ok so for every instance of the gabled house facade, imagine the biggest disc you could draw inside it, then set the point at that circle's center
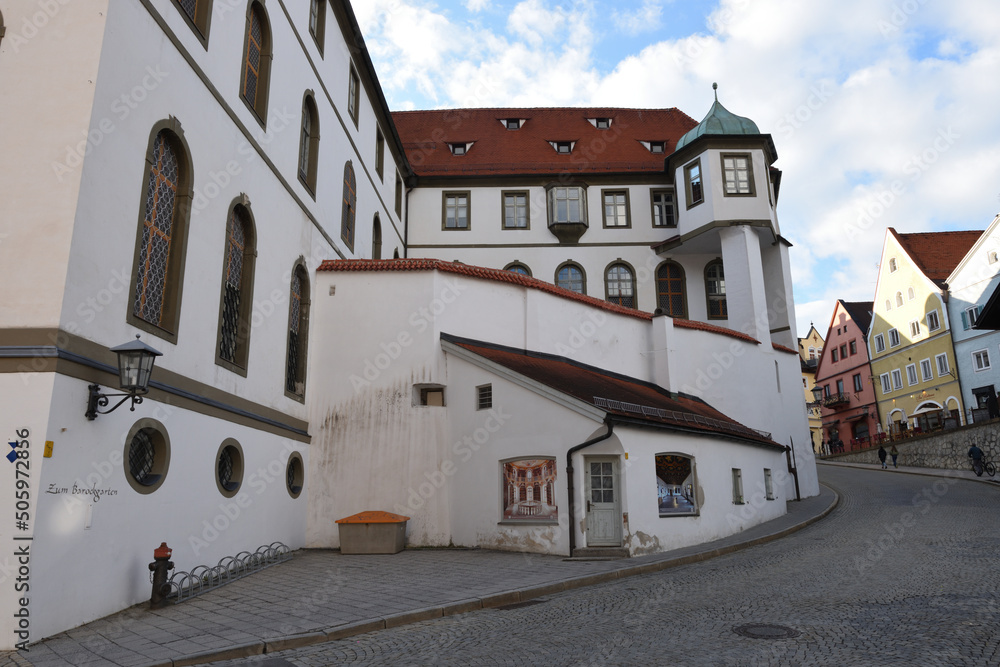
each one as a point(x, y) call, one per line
point(849, 408)
point(910, 342)
point(810, 350)
point(977, 351)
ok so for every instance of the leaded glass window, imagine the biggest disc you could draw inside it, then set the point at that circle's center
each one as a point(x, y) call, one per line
point(621, 286)
point(233, 285)
point(670, 289)
point(349, 209)
point(715, 288)
point(157, 231)
point(570, 277)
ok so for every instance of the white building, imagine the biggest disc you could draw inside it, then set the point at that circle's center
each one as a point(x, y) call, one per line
point(977, 352)
point(203, 159)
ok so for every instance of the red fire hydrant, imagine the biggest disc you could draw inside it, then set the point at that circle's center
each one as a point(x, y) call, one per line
point(159, 567)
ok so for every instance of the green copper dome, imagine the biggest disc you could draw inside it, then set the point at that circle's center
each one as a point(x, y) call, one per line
point(719, 121)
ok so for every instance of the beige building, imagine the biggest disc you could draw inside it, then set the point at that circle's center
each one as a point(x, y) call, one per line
point(810, 350)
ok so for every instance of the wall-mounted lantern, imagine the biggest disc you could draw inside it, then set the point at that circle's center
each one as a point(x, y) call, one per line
point(135, 365)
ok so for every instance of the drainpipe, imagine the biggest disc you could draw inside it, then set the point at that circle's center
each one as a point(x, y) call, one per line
point(792, 468)
point(569, 479)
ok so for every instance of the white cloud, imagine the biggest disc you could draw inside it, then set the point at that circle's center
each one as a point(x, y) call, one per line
point(476, 5)
point(645, 18)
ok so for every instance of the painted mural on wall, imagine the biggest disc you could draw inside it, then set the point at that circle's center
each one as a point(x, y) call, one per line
point(529, 490)
point(675, 485)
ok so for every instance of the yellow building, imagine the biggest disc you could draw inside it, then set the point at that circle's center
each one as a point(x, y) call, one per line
point(810, 350)
point(909, 341)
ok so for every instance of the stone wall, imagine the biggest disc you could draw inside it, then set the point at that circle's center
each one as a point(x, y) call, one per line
point(946, 449)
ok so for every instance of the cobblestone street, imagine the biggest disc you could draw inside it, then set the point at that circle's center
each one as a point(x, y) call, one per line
point(904, 572)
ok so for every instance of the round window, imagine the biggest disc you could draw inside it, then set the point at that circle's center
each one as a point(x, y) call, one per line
point(229, 468)
point(294, 475)
point(146, 456)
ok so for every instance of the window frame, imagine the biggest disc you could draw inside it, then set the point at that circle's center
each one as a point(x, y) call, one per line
point(914, 328)
point(309, 153)
point(853, 347)
point(683, 289)
point(200, 23)
point(670, 205)
point(445, 195)
point(398, 203)
point(258, 107)
point(301, 366)
point(937, 321)
point(929, 375)
point(518, 265)
point(691, 202)
point(318, 31)
point(173, 281)
point(354, 95)
point(975, 360)
point(160, 441)
point(938, 358)
point(833, 355)
point(911, 375)
point(768, 485)
point(878, 341)
point(503, 209)
point(552, 203)
point(604, 208)
point(241, 357)
point(886, 384)
point(893, 265)
point(891, 336)
point(751, 190)
point(709, 296)
point(349, 206)
point(379, 153)
point(583, 276)
point(376, 237)
point(632, 280)
point(970, 315)
point(237, 459)
point(481, 394)
point(859, 383)
point(899, 299)
point(738, 486)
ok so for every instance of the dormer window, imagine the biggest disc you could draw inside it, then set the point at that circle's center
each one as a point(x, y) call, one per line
point(512, 123)
point(602, 123)
point(459, 149)
point(657, 147)
point(564, 147)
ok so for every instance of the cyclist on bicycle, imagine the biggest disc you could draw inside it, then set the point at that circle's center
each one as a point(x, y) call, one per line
point(976, 454)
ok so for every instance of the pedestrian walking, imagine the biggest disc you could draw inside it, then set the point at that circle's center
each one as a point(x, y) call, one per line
point(881, 455)
point(893, 452)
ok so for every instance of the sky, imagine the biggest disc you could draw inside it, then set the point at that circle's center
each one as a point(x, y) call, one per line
point(884, 113)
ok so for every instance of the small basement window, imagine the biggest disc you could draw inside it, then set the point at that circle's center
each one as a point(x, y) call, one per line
point(484, 397)
point(431, 395)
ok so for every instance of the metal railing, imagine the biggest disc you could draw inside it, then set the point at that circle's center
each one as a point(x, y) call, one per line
point(203, 578)
point(674, 415)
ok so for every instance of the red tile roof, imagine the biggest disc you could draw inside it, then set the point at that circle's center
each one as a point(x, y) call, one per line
point(782, 348)
point(427, 136)
point(616, 394)
point(499, 275)
point(937, 253)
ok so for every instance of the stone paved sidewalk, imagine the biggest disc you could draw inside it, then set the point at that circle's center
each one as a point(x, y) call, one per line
point(323, 595)
point(914, 470)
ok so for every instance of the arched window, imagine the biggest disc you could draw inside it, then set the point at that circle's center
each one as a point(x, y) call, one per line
point(715, 291)
point(910, 294)
point(256, 61)
point(899, 298)
point(309, 144)
point(237, 288)
point(670, 289)
point(619, 285)
point(888, 304)
point(518, 267)
point(570, 276)
point(298, 333)
point(199, 15)
point(376, 238)
point(161, 238)
point(349, 210)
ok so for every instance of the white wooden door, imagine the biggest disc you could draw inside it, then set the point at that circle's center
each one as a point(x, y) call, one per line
point(604, 515)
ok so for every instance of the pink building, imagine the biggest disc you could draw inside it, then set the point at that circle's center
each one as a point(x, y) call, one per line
point(848, 406)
